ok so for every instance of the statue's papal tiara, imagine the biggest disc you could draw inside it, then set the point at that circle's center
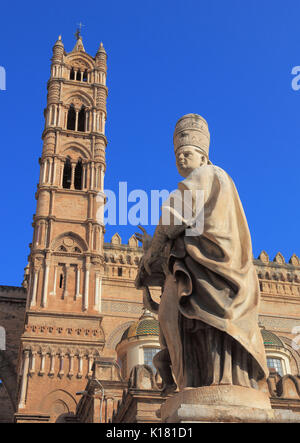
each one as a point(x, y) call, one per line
point(192, 130)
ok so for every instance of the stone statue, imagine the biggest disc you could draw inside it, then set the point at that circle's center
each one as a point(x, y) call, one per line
point(208, 313)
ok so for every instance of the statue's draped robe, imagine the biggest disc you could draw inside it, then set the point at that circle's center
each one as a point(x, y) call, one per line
point(209, 308)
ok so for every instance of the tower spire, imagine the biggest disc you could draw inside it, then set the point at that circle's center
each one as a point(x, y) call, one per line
point(79, 45)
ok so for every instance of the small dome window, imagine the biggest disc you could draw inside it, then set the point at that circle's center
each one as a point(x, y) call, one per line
point(149, 353)
point(275, 363)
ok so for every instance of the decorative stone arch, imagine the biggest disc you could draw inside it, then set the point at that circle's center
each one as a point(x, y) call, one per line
point(116, 335)
point(69, 241)
point(113, 258)
point(79, 98)
point(129, 259)
point(58, 402)
point(75, 151)
point(288, 387)
point(294, 354)
point(80, 61)
point(8, 377)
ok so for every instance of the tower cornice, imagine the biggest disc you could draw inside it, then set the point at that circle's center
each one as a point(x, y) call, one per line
point(75, 134)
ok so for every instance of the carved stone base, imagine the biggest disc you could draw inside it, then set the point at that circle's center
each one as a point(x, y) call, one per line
point(221, 404)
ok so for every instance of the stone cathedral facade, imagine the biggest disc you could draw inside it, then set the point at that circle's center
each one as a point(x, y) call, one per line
point(77, 324)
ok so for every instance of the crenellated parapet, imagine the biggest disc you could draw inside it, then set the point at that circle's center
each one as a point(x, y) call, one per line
point(122, 260)
point(278, 277)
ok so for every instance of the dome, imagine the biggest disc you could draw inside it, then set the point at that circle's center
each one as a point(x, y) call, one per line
point(271, 339)
point(101, 49)
point(146, 325)
point(59, 42)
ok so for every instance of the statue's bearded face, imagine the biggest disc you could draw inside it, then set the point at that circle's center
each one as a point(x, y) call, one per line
point(187, 159)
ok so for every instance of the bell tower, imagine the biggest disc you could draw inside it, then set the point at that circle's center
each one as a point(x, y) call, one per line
point(63, 333)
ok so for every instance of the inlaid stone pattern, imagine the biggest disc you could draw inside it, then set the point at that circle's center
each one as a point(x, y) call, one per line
point(126, 307)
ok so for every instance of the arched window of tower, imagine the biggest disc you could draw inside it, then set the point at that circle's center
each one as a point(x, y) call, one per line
point(61, 280)
point(78, 175)
point(71, 118)
point(67, 175)
point(78, 75)
point(81, 119)
point(72, 74)
point(85, 76)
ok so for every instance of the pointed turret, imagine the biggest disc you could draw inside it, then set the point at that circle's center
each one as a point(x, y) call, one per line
point(79, 45)
point(59, 42)
point(101, 49)
point(58, 51)
point(101, 58)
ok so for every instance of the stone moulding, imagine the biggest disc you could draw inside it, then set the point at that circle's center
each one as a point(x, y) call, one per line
point(223, 403)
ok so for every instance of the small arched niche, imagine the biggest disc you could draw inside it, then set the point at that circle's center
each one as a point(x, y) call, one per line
point(78, 175)
point(67, 174)
point(71, 122)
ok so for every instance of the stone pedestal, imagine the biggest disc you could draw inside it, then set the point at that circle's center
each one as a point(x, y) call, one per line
point(223, 404)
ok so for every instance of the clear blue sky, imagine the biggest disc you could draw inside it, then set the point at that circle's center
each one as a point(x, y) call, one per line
point(228, 61)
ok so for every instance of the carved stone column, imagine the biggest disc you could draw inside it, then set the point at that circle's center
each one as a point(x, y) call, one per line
point(71, 367)
point(34, 286)
point(78, 274)
point(86, 284)
point(98, 289)
point(67, 269)
point(52, 363)
point(73, 165)
point(61, 364)
point(32, 363)
point(54, 281)
point(42, 367)
point(45, 287)
point(24, 380)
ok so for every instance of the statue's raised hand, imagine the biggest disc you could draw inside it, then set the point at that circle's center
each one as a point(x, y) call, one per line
point(144, 238)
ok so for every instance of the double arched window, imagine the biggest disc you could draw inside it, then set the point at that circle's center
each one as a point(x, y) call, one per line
point(72, 175)
point(76, 120)
point(79, 75)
